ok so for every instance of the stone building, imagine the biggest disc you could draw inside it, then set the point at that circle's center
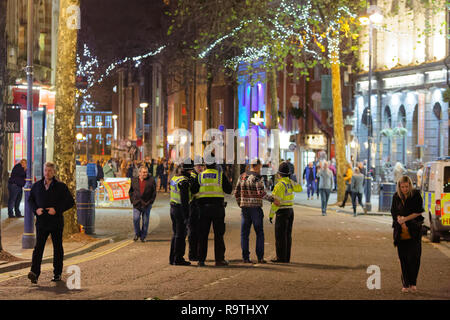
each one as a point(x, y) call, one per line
point(408, 114)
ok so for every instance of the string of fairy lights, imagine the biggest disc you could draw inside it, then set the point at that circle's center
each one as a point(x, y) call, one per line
point(299, 29)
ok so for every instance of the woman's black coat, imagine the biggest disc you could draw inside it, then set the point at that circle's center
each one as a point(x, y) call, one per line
point(413, 204)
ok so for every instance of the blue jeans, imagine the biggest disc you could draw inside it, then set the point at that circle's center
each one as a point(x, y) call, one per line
point(324, 196)
point(145, 214)
point(15, 196)
point(311, 187)
point(255, 216)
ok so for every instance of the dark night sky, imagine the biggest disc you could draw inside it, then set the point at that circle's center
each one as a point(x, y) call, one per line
point(116, 29)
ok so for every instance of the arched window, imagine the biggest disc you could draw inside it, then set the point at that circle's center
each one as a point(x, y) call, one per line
point(401, 123)
point(437, 111)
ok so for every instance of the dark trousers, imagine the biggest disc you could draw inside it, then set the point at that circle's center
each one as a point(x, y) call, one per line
point(409, 252)
point(92, 183)
point(193, 232)
point(253, 216)
point(15, 196)
point(356, 196)
point(178, 243)
point(215, 215)
point(42, 234)
point(163, 183)
point(283, 234)
point(347, 193)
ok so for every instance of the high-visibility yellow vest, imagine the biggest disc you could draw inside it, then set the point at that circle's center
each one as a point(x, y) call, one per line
point(175, 195)
point(284, 192)
point(210, 182)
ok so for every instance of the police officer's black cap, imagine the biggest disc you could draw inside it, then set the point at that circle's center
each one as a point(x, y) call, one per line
point(283, 169)
point(188, 165)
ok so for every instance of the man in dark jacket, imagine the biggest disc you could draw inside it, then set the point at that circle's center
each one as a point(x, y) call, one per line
point(142, 195)
point(48, 200)
point(15, 185)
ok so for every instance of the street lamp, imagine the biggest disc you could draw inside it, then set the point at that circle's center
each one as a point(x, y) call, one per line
point(79, 137)
point(99, 124)
point(375, 17)
point(143, 105)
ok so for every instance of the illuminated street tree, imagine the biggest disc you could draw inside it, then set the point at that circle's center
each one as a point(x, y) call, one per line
point(282, 33)
point(65, 131)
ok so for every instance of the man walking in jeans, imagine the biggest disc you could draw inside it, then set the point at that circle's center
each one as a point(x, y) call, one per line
point(249, 194)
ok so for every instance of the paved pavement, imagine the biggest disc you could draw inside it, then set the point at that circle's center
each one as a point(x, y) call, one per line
point(315, 202)
point(12, 230)
point(330, 259)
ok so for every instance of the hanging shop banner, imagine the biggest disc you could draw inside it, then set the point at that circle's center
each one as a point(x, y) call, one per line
point(326, 96)
point(117, 188)
point(421, 120)
point(12, 120)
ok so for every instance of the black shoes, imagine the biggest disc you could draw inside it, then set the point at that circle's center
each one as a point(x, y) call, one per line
point(182, 263)
point(136, 237)
point(201, 263)
point(222, 263)
point(56, 278)
point(19, 216)
point(33, 277)
point(247, 261)
point(262, 261)
point(278, 261)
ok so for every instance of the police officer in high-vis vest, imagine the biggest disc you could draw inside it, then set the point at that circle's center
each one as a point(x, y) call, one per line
point(284, 192)
point(209, 189)
point(193, 226)
point(180, 198)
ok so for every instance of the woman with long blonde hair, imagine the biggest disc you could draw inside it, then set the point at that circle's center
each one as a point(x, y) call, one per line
point(406, 211)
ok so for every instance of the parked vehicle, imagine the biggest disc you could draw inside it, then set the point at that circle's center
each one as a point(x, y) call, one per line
point(436, 198)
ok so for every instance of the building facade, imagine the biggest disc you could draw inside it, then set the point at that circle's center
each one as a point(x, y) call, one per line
point(409, 116)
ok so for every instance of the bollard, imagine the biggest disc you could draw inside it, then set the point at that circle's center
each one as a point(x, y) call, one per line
point(86, 210)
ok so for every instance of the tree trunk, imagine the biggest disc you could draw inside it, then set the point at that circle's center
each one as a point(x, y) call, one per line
point(209, 77)
point(65, 109)
point(338, 123)
point(3, 91)
point(236, 167)
point(166, 113)
point(273, 98)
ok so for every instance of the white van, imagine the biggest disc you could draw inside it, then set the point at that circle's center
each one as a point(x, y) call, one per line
point(436, 198)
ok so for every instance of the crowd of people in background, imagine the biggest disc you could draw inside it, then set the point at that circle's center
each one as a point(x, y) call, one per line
point(161, 170)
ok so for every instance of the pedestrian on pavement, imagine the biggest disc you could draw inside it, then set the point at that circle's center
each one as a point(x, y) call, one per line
point(406, 210)
point(348, 183)
point(309, 174)
point(16, 182)
point(249, 193)
point(142, 195)
point(194, 218)
point(180, 199)
point(48, 200)
point(108, 170)
point(165, 175)
point(292, 170)
point(332, 167)
point(357, 188)
point(210, 188)
point(91, 171)
point(284, 193)
point(419, 177)
point(318, 168)
point(325, 176)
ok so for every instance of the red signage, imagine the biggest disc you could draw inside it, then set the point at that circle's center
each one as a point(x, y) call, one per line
point(20, 98)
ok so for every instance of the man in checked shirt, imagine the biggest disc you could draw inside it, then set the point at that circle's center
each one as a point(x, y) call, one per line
point(249, 193)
